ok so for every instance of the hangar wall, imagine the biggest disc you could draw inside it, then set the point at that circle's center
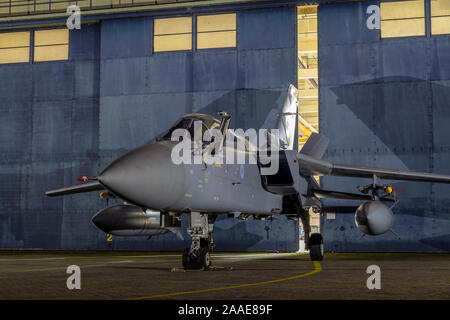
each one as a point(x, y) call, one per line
point(385, 103)
point(62, 120)
point(49, 136)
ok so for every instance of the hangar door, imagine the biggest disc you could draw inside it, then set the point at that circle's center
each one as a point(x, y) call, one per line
point(308, 87)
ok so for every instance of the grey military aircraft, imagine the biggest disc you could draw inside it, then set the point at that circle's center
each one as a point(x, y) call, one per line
point(156, 191)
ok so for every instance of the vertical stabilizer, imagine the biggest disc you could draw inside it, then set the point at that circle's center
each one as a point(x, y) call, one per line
point(287, 118)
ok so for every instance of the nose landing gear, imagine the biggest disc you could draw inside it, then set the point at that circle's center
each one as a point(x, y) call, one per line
point(195, 260)
point(197, 256)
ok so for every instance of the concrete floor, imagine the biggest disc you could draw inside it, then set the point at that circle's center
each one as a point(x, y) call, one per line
point(143, 275)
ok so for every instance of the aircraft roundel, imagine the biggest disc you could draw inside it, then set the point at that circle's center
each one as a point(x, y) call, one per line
point(242, 171)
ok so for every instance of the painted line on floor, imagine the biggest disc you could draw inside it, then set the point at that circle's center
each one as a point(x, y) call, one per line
point(105, 264)
point(218, 255)
point(124, 256)
point(251, 255)
point(317, 269)
point(30, 259)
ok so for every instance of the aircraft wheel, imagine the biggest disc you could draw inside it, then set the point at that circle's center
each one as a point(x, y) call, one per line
point(205, 258)
point(186, 258)
point(316, 247)
point(195, 261)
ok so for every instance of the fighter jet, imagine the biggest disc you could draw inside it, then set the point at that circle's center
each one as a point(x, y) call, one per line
point(156, 190)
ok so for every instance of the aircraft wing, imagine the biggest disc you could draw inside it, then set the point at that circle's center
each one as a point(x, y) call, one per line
point(311, 166)
point(87, 187)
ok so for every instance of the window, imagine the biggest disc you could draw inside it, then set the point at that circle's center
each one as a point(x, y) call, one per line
point(18, 7)
point(402, 18)
point(216, 31)
point(14, 47)
point(440, 16)
point(51, 45)
point(172, 34)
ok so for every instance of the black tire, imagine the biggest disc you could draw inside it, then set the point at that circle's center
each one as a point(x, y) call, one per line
point(205, 258)
point(316, 247)
point(193, 262)
point(186, 259)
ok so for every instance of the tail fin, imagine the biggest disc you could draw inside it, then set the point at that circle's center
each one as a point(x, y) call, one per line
point(287, 118)
point(315, 146)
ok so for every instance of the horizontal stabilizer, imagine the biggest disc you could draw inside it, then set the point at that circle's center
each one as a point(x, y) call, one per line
point(315, 146)
point(87, 187)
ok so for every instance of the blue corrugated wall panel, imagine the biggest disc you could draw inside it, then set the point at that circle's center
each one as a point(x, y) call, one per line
point(125, 38)
point(62, 120)
point(49, 136)
point(267, 29)
point(384, 103)
point(345, 24)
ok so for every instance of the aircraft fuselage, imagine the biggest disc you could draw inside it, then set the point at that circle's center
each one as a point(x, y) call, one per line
point(147, 177)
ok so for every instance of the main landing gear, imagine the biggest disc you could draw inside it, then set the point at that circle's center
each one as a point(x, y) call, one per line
point(314, 241)
point(197, 256)
point(316, 247)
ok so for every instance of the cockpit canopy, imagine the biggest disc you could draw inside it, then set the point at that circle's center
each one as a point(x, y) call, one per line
point(208, 122)
point(187, 122)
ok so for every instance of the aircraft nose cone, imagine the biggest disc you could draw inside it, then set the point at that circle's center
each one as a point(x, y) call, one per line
point(146, 176)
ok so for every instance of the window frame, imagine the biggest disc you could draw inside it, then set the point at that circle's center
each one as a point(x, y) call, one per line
point(425, 35)
point(32, 58)
point(172, 51)
point(431, 21)
point(233, 48)
point(30, 44)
